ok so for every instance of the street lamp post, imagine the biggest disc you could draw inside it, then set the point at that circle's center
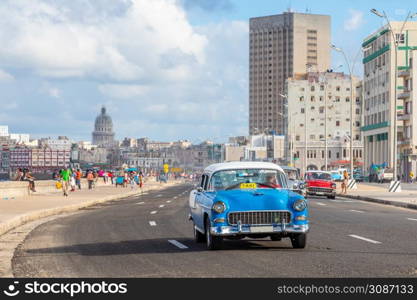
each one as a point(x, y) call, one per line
point(396, 42)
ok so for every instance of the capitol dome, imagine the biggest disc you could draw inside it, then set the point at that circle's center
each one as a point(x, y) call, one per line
point(103, 134)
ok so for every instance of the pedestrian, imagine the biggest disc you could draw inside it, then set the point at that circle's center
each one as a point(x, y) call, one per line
point(19, 175)
point(111, 176)
point(73, 182)
point(90, 179)
point(31, 180)
point(132, 180)
point(65, 177)
point(345, 182)
point(78, 175)
point(411, 176)
point(140, 180)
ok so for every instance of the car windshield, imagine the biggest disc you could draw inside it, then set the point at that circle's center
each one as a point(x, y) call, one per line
point(291, 174)
point(247, 179)
point(322, 176)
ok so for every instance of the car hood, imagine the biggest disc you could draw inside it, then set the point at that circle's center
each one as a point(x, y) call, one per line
point(319, 183)
point(260, 199)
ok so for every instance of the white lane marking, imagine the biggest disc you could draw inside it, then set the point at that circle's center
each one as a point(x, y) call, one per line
point(358, 211)
point(162, 205)
point(322, 204)
point(140, 203)
point(153, 212)
point(178, 244)
point(175, 197)
point(152, 223)
point(168, 201)
point(160, 195)
point(411, 219)
point(364, 239)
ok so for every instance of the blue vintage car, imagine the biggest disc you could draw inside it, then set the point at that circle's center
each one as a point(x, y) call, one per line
point(235, 200)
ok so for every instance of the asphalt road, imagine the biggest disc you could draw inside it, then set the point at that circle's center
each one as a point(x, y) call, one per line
point(150, 236)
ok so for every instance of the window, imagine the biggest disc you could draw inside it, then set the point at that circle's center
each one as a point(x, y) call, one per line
point(301, 125)
point(399, 38)
point(312, 137)
point(344, 153)
point(312, 99)
point(337, 123)
point(321, 136)
point(297, 137)
point(358, 111)
point(302, 110)
point(347, 99)
point(337, 155)
point(321, 87)
point(338, 88)
point(312, 88)
point(321, 109)
point(337, 99)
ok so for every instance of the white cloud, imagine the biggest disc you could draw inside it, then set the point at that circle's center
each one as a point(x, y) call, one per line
point(83, 39)
point(4, 76)
point(122, 91)
point(355, 21)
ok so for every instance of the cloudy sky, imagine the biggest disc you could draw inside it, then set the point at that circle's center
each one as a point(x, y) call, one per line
point(165, 69)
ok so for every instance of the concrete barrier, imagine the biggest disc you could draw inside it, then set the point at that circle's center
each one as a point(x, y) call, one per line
point(39, 214)
point(14, 189)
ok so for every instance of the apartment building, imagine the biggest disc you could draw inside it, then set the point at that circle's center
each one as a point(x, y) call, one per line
point(319, 111)
point(380, 107)
point(279, 47)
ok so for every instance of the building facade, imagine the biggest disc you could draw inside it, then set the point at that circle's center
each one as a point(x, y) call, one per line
point(319, 111)
point(379, 90)
point(280, 46)
point(103, 134)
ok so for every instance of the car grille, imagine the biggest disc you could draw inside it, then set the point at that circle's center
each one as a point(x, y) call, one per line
point(259, 217)
point(318, 190)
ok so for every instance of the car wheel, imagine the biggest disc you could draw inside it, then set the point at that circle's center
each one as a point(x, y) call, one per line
point(198, 236)
point(275, 237)
point(212, 242)
point(299, 241)
point(331, 197)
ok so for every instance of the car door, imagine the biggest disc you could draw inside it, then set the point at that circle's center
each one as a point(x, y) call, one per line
point(198, 215)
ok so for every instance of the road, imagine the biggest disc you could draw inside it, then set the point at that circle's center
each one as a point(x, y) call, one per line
point(150, 236)
point(404, 185)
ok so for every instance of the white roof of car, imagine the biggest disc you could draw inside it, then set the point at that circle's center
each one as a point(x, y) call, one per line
point(242, 165)
point(317, 171)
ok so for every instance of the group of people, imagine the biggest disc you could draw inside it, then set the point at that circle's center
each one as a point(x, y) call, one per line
point(131, 178)
point(25, 175)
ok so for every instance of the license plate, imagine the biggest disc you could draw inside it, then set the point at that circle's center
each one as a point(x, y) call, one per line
point(248, 185)
point(319, 193)
point(261, 229)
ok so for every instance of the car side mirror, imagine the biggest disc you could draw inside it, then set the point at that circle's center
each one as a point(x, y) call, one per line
point(295, 186)
point(199, 189)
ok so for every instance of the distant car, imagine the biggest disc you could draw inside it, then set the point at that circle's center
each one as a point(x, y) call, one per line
point(358, 176)
point(295, 182)
point(320, 183)
point(387, 175)
point(336, 175)
point(235, 200)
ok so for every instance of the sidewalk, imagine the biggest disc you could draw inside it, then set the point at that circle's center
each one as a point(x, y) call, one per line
point(380, 194)
point(20, 210)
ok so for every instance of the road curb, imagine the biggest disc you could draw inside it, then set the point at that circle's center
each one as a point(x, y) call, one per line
point(39, 214)
point(380, 201)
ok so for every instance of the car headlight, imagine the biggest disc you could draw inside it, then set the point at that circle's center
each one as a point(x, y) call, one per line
point(219, 207)
point(300, 205)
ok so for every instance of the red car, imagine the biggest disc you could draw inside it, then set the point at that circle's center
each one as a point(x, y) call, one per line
point(320, 183)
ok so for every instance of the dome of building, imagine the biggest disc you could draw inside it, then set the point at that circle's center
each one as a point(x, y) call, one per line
point(103, 134)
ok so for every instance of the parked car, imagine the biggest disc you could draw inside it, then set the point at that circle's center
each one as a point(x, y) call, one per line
point(295, 182)
point(336, 175)
point(387, 175)
point(320, 183)
point(358, 176)
point(235, 200)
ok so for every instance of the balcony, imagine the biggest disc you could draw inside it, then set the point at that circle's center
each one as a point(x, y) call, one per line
point(404, 73)
point(403, 95)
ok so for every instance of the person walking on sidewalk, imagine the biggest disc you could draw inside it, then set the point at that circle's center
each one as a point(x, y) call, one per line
point(65, 177)
point(78, 175)
point(90, 180)
point(345, 182)
point(411, 176)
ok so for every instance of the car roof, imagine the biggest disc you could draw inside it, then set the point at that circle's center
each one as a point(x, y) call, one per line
point(241, 165)
point(317, 171)
point(288, 168)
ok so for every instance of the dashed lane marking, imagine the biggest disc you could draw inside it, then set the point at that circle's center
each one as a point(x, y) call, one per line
point(343, 201)
point(178, 244)
point(168, 201)
point(358, 211)
point(411, 219)
point(322, 204)
point(152, 223)
point(162, 205)
point(364, 239)
point(153, 212)
point(160, 195)
point(140, 203)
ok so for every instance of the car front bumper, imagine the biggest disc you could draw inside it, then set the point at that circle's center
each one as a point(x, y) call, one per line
point(246, 229)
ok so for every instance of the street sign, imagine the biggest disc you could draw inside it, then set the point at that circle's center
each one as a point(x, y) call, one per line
point(176, 170)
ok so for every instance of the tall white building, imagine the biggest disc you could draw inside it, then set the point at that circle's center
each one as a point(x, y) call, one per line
point(379, 103)
point(319, 110)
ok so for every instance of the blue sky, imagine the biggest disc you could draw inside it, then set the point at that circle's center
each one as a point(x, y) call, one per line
point(165, 69)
